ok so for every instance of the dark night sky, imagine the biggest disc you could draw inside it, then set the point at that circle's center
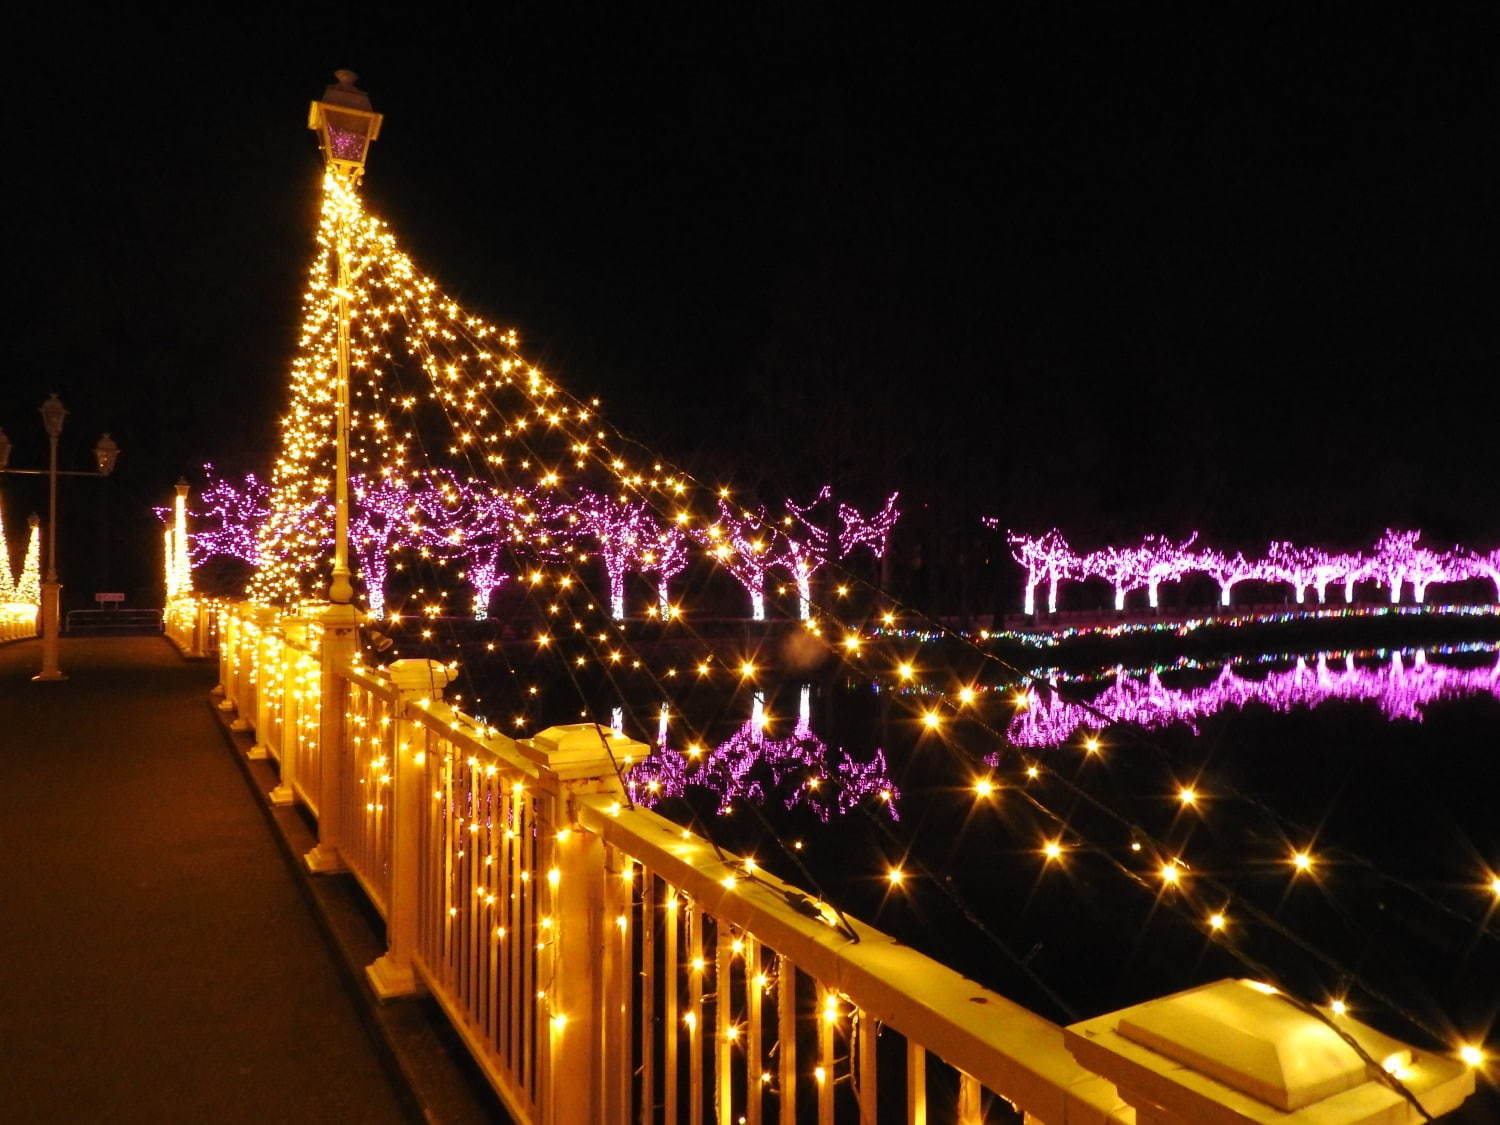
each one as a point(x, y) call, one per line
point(1067, 268)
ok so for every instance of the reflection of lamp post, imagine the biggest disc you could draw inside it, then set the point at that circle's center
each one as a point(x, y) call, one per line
point(345, 125)
point(106, 452)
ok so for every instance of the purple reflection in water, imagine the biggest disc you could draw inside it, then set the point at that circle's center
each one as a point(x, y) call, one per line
point(1400, 689)
point(749, 765)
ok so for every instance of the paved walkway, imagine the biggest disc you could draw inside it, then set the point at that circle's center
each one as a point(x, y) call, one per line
point(157, 960)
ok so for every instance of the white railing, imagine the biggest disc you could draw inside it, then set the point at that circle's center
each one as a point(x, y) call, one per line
point(191, 623)
point(600, 962)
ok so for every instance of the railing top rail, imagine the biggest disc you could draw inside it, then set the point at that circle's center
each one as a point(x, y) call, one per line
point(1005, 1046)
point(472, 739)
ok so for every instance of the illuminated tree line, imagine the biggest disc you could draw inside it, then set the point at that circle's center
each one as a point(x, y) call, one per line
point(437, 515)
point(1395, 561)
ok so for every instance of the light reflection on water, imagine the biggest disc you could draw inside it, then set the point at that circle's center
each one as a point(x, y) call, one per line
point(800, 770)
point(1401, 688)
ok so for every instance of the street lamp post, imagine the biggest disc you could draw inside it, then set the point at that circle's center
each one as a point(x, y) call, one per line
point(345, 125)
point(106, 452)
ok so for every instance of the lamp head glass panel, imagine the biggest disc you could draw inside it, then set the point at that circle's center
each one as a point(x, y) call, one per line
point(53, 412)
point(345, 124)
point(106, 452)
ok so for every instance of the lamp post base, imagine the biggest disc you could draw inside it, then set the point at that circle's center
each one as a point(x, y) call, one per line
point(51, 601)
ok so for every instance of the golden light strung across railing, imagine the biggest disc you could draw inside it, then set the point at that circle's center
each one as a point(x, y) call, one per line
point(603, 964)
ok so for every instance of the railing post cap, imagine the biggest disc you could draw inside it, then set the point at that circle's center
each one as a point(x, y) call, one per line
point(420, 677)
point(1238, 1051)
point(582, 750)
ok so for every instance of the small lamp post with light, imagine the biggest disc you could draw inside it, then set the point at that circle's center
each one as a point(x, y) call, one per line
point(106, 452)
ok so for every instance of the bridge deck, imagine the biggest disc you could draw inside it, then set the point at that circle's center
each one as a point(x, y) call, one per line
point(157, 961)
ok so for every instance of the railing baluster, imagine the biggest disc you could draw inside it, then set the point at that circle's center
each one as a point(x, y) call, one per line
point(696, 968)
point(533, 1058)
point(617, 992)
point(970, 1111)
point(723, 1021)
point(916, 1083)
point(754, 1087)
point(825, 1017)
point(671, 1031)
point(648, 997)
point(786, 1024)
point(865, 1033)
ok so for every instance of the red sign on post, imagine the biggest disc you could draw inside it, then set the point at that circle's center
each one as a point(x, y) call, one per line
point(109, 597)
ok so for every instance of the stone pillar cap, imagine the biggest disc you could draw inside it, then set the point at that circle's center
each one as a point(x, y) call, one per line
point(421, 677)
point(578, 750)
point(1238, 1051)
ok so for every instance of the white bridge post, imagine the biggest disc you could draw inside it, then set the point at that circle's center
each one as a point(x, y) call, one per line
point(392, 975)
point(585, 1040)
point(340, 642)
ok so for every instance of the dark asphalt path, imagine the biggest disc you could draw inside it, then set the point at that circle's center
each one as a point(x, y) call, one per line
point(157, 961)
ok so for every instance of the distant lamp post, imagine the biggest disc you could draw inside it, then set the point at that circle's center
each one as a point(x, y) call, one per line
point(345, 125)
point(106, 453)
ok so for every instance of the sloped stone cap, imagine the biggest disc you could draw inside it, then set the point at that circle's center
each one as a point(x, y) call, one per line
point(1253, 1041)
point(577, 750)
point(1237, 1051)
point(421, 677)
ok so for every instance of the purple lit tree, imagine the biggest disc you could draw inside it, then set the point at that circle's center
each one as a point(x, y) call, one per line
point(874, 532)
point(1294, 565)
point(805, 547)
point(1357, 568)
point(665, 554)
point(1226, 570)
point(1394, 559)
point(620, 530)
point(1330, 568)
point(1121, 567)
point(1472, 564)
point(1428, 566)
point(743, 548)
point(1046, 557)
point(491, 524)
point(230, 519)
point(1162, 560)
point(382, 518)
